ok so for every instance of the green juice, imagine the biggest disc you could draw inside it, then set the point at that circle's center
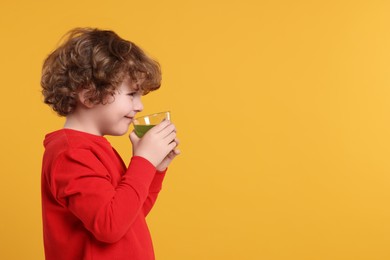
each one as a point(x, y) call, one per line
point(140, 130)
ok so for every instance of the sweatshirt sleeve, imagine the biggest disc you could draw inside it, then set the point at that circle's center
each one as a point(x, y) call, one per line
point(83, 185)
point(154, 190)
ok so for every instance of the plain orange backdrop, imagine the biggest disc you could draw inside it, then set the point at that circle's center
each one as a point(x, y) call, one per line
point(282, 109)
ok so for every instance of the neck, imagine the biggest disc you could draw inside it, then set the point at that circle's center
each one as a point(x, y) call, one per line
point(79, 121)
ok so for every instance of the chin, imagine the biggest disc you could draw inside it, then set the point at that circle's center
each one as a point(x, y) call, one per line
point(118, 132)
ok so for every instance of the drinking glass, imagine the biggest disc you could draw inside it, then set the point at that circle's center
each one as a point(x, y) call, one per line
point(145, 123)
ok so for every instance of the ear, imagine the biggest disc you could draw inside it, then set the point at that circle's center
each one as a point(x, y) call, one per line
point(82, 96)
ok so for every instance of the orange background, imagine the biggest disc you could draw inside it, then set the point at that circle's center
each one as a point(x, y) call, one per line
point(282, 109)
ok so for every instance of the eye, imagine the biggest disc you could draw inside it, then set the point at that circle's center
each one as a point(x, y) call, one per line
point(132, 94)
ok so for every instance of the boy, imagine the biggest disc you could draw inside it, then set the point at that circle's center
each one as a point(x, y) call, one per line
point(94, 207)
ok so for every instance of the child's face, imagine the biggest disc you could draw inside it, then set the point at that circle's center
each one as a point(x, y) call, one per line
point(115, 117)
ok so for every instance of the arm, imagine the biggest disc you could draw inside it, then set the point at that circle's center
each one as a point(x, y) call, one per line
point(142, 148)
point(83, 185)
point(154, 190)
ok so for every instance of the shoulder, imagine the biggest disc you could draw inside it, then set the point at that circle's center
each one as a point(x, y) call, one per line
point(73, 146)
point(72, 139)
point(68, 155)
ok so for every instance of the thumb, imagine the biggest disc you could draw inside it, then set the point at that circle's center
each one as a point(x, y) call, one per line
point(134, 138)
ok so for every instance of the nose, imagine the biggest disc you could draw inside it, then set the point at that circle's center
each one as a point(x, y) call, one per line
point(137, 103)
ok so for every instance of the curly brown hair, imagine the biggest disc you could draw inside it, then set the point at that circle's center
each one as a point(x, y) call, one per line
point(96, 60)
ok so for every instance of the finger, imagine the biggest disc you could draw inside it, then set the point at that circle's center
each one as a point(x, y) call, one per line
point(133, 137)
point(167, 131)
point(171, 137)
point(177, 141)
point(172, 155)
point(162, 125)
point(171, 146)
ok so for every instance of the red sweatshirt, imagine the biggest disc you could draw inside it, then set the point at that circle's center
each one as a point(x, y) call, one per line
point(94, 207)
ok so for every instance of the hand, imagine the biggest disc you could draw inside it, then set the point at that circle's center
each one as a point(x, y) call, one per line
point(156, 144)
point(168, 159)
